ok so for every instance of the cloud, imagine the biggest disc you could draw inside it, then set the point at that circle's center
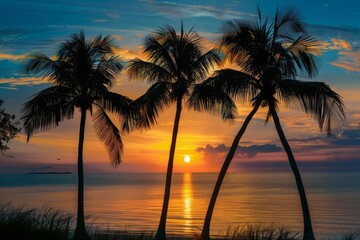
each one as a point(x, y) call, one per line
point(113, 14)
point(354, 119)
point(12, 83)
point(127, 53)
point(279, 166)
point(12, 57)
point(170, 9)
point(100, 20)
point(343, 39)
point(350, 34)
point(348, 139)
point(242, 151)
point(335, 44)
point(349, 60)
point(117, 37)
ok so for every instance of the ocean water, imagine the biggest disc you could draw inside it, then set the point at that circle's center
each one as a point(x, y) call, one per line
point(133, 201)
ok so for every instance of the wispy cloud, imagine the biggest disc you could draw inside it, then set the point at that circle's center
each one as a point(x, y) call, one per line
point(13, 83)
point(348, 56)
point(168, 8)
point(113, 14)
point(242, 151)
point(345, 40)
point(349, 60)
point(350, 34)
point(335, 44)
point(100, 20)
point(128, 53)
point(12, 57)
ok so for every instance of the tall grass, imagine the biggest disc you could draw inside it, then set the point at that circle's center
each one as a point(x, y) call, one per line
point(19, 223)
point(351, 236)
point(33, 224)
point(110, 234)
point(260, 232)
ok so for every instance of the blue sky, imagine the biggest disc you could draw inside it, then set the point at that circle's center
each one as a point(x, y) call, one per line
point(42, 25)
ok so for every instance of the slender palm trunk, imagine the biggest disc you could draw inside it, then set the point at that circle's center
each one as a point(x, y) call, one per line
point(161, 232)
point(308, 231)
point(205, 234)
point(80, 230)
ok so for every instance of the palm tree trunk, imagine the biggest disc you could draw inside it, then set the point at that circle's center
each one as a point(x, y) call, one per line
point(161, 232)
point(308, 230)
point(205, 234)
point(80, 230)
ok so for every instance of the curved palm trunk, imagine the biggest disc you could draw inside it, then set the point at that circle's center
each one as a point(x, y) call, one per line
point(161, 232)
point(205, 234)
point(80, 230)
point(308, 231)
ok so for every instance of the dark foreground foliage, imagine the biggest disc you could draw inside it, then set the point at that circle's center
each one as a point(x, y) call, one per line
point(123, 235)
point(33, 224)
point(259, 232)
point(47, 223)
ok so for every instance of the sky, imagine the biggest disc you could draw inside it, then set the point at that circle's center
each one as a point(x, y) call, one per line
point(42, 25)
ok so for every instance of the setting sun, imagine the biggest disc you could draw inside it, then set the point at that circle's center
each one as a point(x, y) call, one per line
point(187, 159)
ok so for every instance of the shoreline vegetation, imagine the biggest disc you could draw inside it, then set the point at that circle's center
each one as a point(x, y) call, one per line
point(19, 222)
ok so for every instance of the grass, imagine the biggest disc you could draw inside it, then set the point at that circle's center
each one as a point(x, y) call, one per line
point(47, 223)
point(109, 234)
point(33, 224)
point(260, 232)
point(351, 236)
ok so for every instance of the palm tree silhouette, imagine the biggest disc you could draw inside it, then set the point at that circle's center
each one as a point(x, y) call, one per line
point(81, 76)
point(176, 62)
point(269, 56)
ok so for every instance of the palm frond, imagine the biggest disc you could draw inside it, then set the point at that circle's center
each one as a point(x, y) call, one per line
point(287, 22)
point(158, 53)
point(46, 109)
point(148, 71)
point(144, 111)
point(237, 84)
point(107, 70)
point(209, 98)
point(109, 134)
point(72, 46)
point(200, 68)
point(302, 51)
point(103, 45)
point(237, 35)
point(53, 70)
point(316, 99)
point(186, 51)
point(114, 102)
point(165, 32)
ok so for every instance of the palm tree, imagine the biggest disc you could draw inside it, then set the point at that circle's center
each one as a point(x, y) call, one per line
point(175, 64)
point(81, 76)
point(269, 57)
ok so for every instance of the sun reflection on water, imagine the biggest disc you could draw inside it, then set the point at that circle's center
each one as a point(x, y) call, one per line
point(187, 196)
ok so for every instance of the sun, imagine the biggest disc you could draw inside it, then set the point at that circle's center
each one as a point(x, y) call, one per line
point(187, 159)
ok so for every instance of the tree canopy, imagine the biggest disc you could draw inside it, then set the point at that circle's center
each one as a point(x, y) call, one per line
point(8, 128)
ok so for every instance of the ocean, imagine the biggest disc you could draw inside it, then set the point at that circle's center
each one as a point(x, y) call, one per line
point(132, 201)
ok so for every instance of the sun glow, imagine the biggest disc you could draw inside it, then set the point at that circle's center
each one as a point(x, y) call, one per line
point(187, 159)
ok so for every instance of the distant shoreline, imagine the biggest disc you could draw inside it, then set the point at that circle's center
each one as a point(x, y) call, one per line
point(49, 173)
